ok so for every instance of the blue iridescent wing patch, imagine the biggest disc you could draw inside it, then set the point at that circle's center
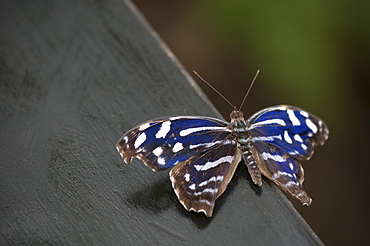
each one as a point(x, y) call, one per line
point(204, 152)
point(164, 142)
point(289, 128)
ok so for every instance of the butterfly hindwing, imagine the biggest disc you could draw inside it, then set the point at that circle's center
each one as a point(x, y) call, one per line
point(282, 169)
point(164, 142)
point(201, 179)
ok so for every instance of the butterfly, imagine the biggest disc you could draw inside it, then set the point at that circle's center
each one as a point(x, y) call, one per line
point(205, 152)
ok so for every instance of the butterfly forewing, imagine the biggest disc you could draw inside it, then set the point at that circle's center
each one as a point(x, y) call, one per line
point(289, 128)
point(164, 142)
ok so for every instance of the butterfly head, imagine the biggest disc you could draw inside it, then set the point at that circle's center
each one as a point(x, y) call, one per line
point(236, 115)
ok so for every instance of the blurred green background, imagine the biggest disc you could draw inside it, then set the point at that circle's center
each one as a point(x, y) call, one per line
point(312, 54)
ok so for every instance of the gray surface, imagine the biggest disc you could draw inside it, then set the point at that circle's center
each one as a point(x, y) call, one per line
point(75, 75)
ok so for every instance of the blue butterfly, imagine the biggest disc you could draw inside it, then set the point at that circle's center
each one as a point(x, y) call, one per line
point(205, 152)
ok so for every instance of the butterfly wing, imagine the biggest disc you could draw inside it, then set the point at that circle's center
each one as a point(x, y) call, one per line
point(281, 137)
point(282, 169)
point(164, 142)
point(202, 148)
point(201, 179)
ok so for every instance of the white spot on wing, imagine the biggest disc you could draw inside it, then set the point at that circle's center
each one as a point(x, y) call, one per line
point(144, 126)
point(298, 138)
point(161, 161)
point(291, 166)
point(210, 190)
point(192, 186)
point(295, 121)
point(287, 137)
point(266, 138)
point(189, 131)
point(187, 177)
point(304, 113)
point(125, 139)
point(140, 140)
point(269, 122)
point(176, 118)
point(280, 173)
point(165, 128)
point(267, 156)
point(311, 125)
point(307, 204)
point(158, 151)
point(304, 146)
point(213, 179)
point(206, 145)
point(207, 181)
point(177, 147)
point(215, 163)
point(210, 144)
point(290, 183)
point(207, 190)
point(227, 142)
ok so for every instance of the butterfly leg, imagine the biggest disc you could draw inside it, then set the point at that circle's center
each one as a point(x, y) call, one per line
point(251, 165)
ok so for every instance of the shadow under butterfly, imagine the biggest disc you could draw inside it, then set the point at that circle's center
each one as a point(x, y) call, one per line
point(156, 198)
point(205, 152)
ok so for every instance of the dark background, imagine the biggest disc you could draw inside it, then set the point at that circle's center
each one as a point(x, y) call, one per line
point(314, 55)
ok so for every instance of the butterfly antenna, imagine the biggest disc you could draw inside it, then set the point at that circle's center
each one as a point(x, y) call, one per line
point(197, 74)
point(250, 87)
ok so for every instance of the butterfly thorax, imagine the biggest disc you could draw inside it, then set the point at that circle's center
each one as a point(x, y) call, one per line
point(239, 127)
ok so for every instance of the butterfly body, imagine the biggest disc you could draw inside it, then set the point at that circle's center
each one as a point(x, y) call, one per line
point(205, 152)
